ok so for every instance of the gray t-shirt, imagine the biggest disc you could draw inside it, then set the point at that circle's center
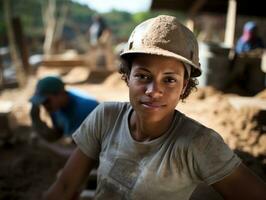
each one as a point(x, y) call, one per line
point(168, 167)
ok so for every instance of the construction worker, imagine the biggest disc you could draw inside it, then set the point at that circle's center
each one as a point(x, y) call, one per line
point(101, 52)
point(246, 61)
point(249, 39)
point(67, 108)
point(97, 29)
point(146, 148)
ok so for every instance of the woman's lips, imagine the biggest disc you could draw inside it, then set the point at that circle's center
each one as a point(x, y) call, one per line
point(153, 105)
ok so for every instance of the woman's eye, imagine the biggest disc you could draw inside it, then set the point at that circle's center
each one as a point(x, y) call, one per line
point(170, 80)
point(142, 77)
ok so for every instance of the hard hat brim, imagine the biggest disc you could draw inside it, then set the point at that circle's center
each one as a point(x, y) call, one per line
point(195, 70)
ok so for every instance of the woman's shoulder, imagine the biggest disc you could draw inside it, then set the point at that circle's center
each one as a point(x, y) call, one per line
point(113, 108)
point(113, 105)
point(196, 130)
point(200, 139)
point(188, 123)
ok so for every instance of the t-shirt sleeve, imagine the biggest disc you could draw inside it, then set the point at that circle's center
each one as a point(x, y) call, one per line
point(214, 159)
point(88, 136)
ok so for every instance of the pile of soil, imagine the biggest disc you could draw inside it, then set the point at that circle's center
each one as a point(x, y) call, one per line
point(26, 171)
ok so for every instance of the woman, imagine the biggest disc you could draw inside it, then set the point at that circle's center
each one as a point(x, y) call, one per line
point(146, 148)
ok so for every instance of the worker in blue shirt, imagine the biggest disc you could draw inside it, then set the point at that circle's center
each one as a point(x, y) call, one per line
point(249, 39)
point(67, 108)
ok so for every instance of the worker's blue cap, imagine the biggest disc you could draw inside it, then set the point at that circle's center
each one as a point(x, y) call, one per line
point(250, 26)
point(46, 86)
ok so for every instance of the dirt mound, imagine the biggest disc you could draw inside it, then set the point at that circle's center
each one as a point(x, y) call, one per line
point(114, 80)
point(246, 130)
point(26, 171)
point(204, 92)
point(261, 95)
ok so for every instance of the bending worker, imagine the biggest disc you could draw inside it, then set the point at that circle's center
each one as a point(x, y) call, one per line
point(67, 108)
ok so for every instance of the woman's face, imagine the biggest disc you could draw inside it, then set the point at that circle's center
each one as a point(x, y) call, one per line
point(155, 85)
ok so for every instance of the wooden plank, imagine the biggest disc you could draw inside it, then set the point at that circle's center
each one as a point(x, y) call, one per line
point(230, 23)
point(240, 102)
point(63, 63)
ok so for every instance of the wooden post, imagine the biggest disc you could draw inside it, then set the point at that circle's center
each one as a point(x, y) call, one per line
point(195, 7)
point(230, 23)
point(20, 41)
point(1, 73)
point(263, 63)
point(50, 24)
point(190, 24)
point(12, 44)
point(5, 111)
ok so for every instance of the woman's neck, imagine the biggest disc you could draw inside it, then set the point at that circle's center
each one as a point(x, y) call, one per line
point(144, 130)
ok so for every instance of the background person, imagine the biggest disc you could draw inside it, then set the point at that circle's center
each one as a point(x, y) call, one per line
point(97, 29)
point(246, 62)
point(147, 149)
point(67, 108)
point(101, 52)
point(249, 39)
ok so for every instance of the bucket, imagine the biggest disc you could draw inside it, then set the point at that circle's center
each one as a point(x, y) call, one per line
point(215, 65)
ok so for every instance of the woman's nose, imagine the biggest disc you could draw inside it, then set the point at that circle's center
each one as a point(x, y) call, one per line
point(154, 90)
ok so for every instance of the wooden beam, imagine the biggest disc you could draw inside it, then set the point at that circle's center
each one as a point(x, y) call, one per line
point(20, 41)
point(196, 6)
point(190, 24)
point(263, 63)
point(230, 23)
point(1, 73)
point(12, 44)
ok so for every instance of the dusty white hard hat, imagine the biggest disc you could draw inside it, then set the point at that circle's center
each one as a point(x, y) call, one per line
point(165, 35)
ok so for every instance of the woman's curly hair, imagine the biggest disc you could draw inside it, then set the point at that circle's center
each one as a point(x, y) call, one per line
point(125, 68)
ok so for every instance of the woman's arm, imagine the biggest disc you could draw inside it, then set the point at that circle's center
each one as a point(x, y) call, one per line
point(241, 184)
point(73, 175)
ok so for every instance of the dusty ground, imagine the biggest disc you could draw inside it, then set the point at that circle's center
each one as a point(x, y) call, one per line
point(27, 169)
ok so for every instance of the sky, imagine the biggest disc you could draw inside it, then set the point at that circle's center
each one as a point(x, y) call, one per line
point(131, 6)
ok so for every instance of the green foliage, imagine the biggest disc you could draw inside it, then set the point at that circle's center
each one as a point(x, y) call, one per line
point(120, 22)
point(141, 16)
point(31, 15)
point(80, 14)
